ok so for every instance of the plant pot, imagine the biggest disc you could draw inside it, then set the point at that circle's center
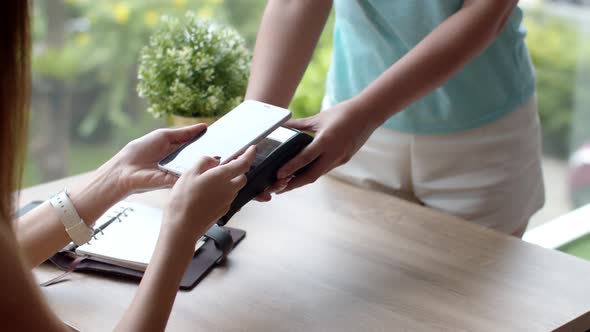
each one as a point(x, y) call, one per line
point(173, 120)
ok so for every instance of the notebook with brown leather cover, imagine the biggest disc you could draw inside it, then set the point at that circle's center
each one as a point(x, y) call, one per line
point(220, 241)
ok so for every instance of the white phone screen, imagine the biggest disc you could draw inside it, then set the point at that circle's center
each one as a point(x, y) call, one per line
point(245, 125)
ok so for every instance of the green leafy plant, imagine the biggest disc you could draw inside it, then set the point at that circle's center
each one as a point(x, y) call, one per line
point(558, 52)
point(95, 56)
point(193, 67)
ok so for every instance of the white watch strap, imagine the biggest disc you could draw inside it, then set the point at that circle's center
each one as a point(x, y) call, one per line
point(76, 228)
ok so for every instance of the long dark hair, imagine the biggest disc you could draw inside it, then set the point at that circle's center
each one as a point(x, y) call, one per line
point(15, 85)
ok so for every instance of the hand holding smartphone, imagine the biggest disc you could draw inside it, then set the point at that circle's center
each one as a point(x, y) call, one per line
point(272, 153)
point(229, 136)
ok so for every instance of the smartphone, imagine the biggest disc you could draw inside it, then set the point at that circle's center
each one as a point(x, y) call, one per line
point(272, 153)
point(229, 136)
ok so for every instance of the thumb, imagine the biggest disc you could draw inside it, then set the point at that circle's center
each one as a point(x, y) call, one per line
point(204, 164)
point(304, 124)
point(184, 134)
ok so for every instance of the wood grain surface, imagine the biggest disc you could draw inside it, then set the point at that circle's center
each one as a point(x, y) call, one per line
point(332, 257)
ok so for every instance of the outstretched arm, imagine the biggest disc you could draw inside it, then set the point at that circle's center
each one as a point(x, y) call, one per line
point(343, 129)
point(41, 234)
point(287, 36)
point(199, 198)
point(438, 57)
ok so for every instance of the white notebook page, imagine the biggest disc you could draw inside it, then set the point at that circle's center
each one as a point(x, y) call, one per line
point(129, 242)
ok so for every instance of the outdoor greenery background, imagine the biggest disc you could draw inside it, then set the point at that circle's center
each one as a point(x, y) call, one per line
point(85, 69)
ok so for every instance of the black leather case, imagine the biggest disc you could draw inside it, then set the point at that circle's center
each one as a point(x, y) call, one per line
point(264, 170)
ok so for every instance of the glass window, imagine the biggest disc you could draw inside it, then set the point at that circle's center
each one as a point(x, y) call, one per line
point(85, 105)
point(559, 42)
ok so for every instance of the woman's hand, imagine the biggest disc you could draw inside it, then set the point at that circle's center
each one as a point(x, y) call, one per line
point(204, 194)
point(136, 165)
point(340, 132)
point(199, 198)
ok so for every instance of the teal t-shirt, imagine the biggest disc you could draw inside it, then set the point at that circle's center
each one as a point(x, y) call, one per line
point(371, 35)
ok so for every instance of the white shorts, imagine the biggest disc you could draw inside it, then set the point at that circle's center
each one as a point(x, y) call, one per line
point(489, 175)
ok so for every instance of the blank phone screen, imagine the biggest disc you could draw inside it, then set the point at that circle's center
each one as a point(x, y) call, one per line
point(245, 125)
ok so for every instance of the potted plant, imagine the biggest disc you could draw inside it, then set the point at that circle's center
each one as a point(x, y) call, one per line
point(193, 70)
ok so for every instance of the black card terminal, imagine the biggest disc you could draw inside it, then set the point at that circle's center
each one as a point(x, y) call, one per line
point(272, 153)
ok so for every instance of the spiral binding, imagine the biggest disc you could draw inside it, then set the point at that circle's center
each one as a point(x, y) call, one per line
point(115, 215)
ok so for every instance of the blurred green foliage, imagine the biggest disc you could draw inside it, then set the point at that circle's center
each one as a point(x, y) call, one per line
point(308, 97)
point(99, 59)
point(101, 51)
point(103, 40)
point(558, 51)
point(96, 66)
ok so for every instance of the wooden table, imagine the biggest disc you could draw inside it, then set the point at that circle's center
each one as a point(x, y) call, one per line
point(332, 257)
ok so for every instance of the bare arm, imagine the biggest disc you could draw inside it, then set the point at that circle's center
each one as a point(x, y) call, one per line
point(22, 305)
point(199, 199)
point(288, 34)
point(41, 234)
point(439, 56)
point(35, 237)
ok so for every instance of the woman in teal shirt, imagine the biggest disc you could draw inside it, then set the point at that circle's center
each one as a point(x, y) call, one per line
point(429, 100)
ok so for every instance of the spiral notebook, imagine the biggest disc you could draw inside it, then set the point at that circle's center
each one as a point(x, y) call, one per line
point(126, 235)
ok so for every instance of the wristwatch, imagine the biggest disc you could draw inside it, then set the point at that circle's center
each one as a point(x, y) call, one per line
point(76, 228)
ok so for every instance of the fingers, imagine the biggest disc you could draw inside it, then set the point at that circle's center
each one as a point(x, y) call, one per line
point(276, 187)
point(264, 196)
point(305, 157)
point(319, 168)
point(239, 182)
point(240, 165)
point(183, 134)
point(204, 164)
point(305, 124)
point(279, 185)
